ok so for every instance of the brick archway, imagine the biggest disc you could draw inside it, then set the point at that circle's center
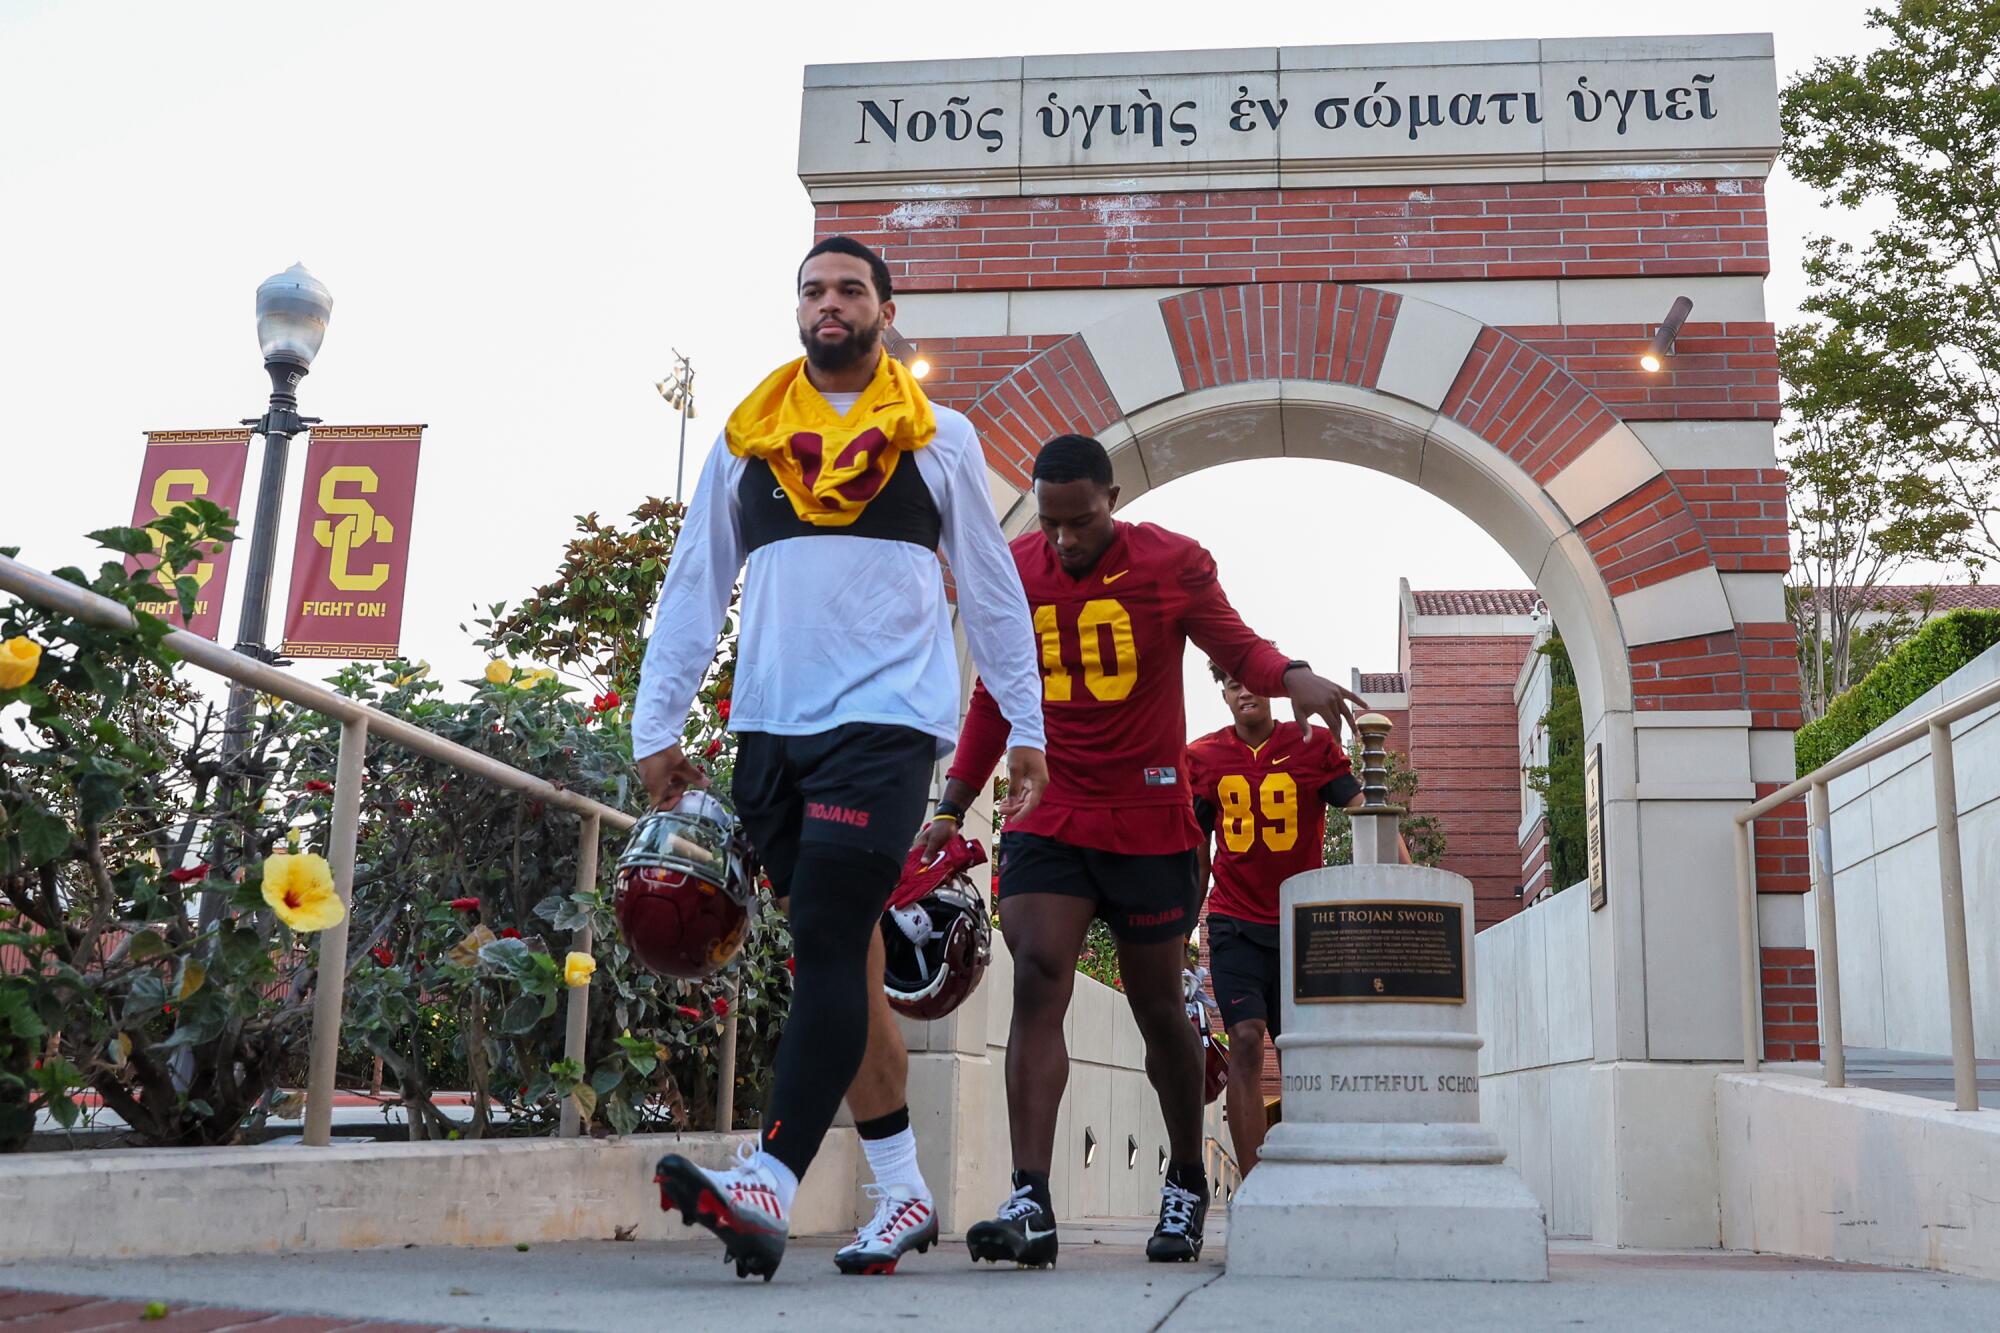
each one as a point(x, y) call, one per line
point(1633, 551)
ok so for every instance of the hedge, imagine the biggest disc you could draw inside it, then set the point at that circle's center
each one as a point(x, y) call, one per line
point(1938, 649)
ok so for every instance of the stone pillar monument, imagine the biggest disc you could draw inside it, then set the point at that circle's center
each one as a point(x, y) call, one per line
point(1380, 1168)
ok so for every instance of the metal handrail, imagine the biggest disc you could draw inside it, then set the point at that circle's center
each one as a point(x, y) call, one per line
point(1936, 724)
point(357, 720)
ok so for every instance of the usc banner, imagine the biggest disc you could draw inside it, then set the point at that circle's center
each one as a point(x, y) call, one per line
point(182, 465)
point(352, 552)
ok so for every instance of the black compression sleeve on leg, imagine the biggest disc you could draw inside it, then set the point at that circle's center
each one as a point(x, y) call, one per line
point(884, 1126)
point(837, 898)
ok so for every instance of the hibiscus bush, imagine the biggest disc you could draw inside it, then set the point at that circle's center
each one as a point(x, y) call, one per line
point(147, 882)
point(139, 975)
point(466, 920)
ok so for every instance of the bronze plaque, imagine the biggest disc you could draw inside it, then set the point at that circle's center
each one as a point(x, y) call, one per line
point(1382, 951)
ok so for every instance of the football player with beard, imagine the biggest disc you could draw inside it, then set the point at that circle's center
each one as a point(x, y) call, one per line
point(836, 483)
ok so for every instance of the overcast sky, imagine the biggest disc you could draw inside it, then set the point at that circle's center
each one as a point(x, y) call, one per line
point(520, 208)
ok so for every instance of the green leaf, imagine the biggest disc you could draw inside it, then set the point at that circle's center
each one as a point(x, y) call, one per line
point(522, 1015)
point(98, 796)
point(126, 541)
point(145, 998)
point(43, 836)
point(148, 944)
point(618, 1111)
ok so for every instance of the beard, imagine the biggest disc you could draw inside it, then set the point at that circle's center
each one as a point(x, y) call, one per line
point(839, 356)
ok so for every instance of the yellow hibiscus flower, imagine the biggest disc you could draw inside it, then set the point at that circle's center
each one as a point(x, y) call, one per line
point(417, 672)
point(529, 679)
point(299, 887)
point(20, 656)
point(577, 969)
point(499, 672)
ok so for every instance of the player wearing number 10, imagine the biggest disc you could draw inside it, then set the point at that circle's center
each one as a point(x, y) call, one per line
point(1114, 606)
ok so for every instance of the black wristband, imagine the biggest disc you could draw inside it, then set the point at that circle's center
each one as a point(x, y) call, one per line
point(948, 809)
point(1298, 664)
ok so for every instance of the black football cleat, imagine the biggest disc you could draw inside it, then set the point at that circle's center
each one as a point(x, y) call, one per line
point(1177, 1239)
point(1024, 1233)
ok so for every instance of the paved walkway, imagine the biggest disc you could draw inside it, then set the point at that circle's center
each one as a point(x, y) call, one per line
point(1919, 1074)
point(1102, 1284)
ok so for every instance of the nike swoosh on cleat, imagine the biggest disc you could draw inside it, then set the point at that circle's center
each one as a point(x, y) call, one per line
point(1034, 1235)
point(1113, 578)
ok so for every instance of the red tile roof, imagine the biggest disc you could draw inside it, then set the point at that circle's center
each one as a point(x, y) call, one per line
point(1475, 601)
point(1384, 682)
point(1945, 596)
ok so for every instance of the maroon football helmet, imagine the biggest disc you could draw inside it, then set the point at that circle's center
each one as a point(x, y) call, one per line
point(936, 936)
point(1214, 1046)
point(685, 886)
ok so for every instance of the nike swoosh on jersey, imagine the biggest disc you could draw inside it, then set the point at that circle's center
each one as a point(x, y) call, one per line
point(1281, 759)
point(1113, 578)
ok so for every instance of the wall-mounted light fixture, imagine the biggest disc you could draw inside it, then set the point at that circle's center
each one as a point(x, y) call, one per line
point(1163, 1161)
point(1089, 1145)
point(1131, 1152)
point(1661, 349)
point(906, 352)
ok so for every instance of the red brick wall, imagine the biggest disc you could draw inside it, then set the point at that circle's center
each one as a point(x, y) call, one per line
point(1706, 386)
point(1741, 514)
point(1344, 234)
point(1465, 745)
point(1536, 869)
point(1791, 1005)
point(964, 368)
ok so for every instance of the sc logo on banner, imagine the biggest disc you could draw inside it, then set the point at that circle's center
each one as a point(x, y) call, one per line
point(358, 524)
point(166, 502)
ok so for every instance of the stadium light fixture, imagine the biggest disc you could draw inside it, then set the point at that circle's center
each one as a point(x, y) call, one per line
point(678, 390)
point(1661, 349)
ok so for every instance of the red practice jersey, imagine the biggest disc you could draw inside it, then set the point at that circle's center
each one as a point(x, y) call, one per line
point(1269, 808)
point(1111, 644)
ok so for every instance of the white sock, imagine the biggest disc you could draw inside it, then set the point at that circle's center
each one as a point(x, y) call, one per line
point(786, 1183)
point(894, 1162)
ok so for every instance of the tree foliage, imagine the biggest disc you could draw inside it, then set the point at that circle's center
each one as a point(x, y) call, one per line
point(1906, 358)
point(1863, 505)
point(1423, 834)
point(1559, 782)
point(1932, 654)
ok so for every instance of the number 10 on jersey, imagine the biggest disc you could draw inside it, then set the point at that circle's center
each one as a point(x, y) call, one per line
point(1106, 651)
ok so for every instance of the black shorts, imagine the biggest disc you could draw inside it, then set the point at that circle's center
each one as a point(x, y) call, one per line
point(864, 786)
point(1243, 968)
point(1143, 899)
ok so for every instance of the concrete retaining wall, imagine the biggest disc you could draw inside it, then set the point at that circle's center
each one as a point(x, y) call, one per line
point(1532, 974)
point(1886, 881)
point(1858, 1175)
point(116, 1204)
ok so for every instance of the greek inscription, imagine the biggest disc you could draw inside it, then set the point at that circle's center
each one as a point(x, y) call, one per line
point(882, 122)
point(1370, 105)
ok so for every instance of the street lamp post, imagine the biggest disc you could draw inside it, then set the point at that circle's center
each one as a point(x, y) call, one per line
point(292, 310)
point(678, 389)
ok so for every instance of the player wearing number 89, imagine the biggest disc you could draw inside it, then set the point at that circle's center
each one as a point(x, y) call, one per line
point(1261, 789)
point(1114, 606)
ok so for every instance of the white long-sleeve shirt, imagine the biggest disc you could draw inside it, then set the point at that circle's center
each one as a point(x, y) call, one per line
point(837, 629)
